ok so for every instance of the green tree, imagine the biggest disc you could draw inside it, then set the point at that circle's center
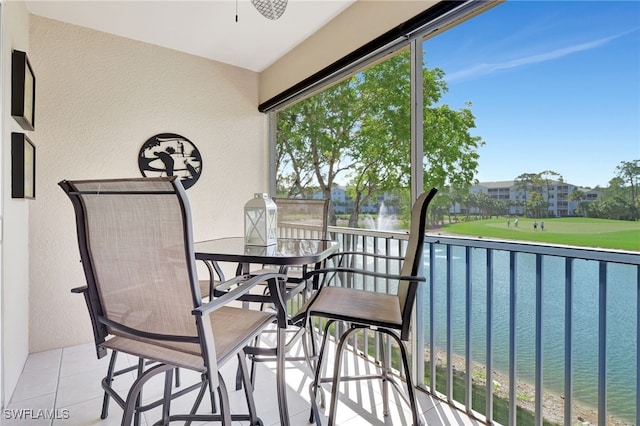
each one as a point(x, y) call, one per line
point(360, 129)
point(313, 137)
point(545, 179)
point(525, 182)
point(629, 172)
point(536, 205)
point(578, 195)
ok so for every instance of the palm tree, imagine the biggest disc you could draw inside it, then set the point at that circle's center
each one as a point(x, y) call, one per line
point(578, 195)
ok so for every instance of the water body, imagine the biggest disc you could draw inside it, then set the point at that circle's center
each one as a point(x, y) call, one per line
point(621, 322)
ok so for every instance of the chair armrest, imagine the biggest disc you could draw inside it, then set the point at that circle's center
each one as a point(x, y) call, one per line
point(99, 330)
point(243, 284)
point(340, 257)
point(327, 271)
point(364, 253)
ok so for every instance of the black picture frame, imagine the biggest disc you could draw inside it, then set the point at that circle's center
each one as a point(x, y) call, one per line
point(23, 90)
point(23, 167)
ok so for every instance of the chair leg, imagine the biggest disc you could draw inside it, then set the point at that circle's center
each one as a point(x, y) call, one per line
point(385, 371)
point(417, 419)
point(337, 367)
point(137, 414)
point(253, 372)
point(109, 380)
point(225, 410)
point(200, 397)
point(133, 396)
point(177, 377)
point(214, 405)
point(166, 401)
point(248, 389)
point(315, 384)
point(280, 378)
point(311, 357)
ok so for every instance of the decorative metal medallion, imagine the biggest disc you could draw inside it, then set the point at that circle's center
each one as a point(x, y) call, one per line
point(169, 154)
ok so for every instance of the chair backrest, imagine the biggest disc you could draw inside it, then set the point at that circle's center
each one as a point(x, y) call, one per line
point(302, 218)
point(413, 259)
point(136, 246)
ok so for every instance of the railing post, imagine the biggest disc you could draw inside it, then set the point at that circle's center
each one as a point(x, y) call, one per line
point(568, 342)
point(432, 317)
point(602, 346)
point(449, 327)
point(418, 331)
point(512, 340)
point(538, 350)
point(467, 343)
point(489, 367)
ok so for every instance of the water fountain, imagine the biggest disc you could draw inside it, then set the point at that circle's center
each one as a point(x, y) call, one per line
point(384, 222)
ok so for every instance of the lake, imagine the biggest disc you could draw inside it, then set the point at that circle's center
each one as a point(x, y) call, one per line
point(622, 313)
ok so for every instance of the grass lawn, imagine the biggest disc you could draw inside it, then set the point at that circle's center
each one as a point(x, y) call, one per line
point(574, 231)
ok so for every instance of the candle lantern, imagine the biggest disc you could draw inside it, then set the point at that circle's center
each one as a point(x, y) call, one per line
point(260, 221)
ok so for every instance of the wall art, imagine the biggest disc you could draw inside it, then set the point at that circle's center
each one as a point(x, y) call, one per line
point(23, 90)
point(169, 154)
point(23, 167)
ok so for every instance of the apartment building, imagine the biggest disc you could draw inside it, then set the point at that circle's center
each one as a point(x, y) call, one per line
point(556, 193)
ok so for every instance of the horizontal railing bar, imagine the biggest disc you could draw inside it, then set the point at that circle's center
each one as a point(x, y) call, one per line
point(586, 253)
point(395, 235)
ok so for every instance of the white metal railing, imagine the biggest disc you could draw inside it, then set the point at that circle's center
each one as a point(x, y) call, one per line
point(523, 309)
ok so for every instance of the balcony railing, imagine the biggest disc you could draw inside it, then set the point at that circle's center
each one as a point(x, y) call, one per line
point(558, 324)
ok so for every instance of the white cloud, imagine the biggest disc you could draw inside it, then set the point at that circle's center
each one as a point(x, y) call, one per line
point(488, 68)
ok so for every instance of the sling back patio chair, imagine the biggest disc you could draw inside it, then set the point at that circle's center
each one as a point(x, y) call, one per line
point(389, 314)
point(136, 248)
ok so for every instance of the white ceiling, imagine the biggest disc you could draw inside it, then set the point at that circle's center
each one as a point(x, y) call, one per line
point(206, 28)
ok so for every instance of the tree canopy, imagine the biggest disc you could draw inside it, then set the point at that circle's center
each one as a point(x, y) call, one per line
point(358, 132)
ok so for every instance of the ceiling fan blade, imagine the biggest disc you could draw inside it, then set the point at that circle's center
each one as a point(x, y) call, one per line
point(270, 9)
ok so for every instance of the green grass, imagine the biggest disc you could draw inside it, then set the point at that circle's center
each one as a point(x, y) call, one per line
point(478, 393)
point(479, 396)
point(574, 231)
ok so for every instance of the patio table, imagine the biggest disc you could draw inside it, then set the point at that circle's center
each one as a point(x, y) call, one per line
point(286, 252)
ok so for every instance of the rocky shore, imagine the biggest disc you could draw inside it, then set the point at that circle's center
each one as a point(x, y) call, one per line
point(553, 404)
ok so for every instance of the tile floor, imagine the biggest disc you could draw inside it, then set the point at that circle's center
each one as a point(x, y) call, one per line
point(66, 383)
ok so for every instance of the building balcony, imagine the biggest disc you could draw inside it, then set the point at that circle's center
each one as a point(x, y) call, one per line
point(504, 333)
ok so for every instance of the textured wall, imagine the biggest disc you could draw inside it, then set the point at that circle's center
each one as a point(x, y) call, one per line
point(99, 98)
point(15, 218)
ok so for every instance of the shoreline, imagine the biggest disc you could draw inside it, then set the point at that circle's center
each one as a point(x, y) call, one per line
point(553, 403)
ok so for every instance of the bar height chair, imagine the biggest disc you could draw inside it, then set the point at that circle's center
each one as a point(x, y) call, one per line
point(389, 314)
point(136, 248)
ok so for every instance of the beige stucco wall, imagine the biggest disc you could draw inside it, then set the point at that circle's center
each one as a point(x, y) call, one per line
point(14, 248)
point(99, 98)
point(356, 26)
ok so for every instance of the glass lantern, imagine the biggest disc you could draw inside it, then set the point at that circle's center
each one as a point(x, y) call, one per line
point(260, 221)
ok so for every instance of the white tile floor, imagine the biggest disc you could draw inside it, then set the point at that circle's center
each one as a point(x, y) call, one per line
point(66, 383)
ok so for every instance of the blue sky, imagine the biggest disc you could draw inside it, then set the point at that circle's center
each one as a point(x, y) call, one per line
point(554, 85)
